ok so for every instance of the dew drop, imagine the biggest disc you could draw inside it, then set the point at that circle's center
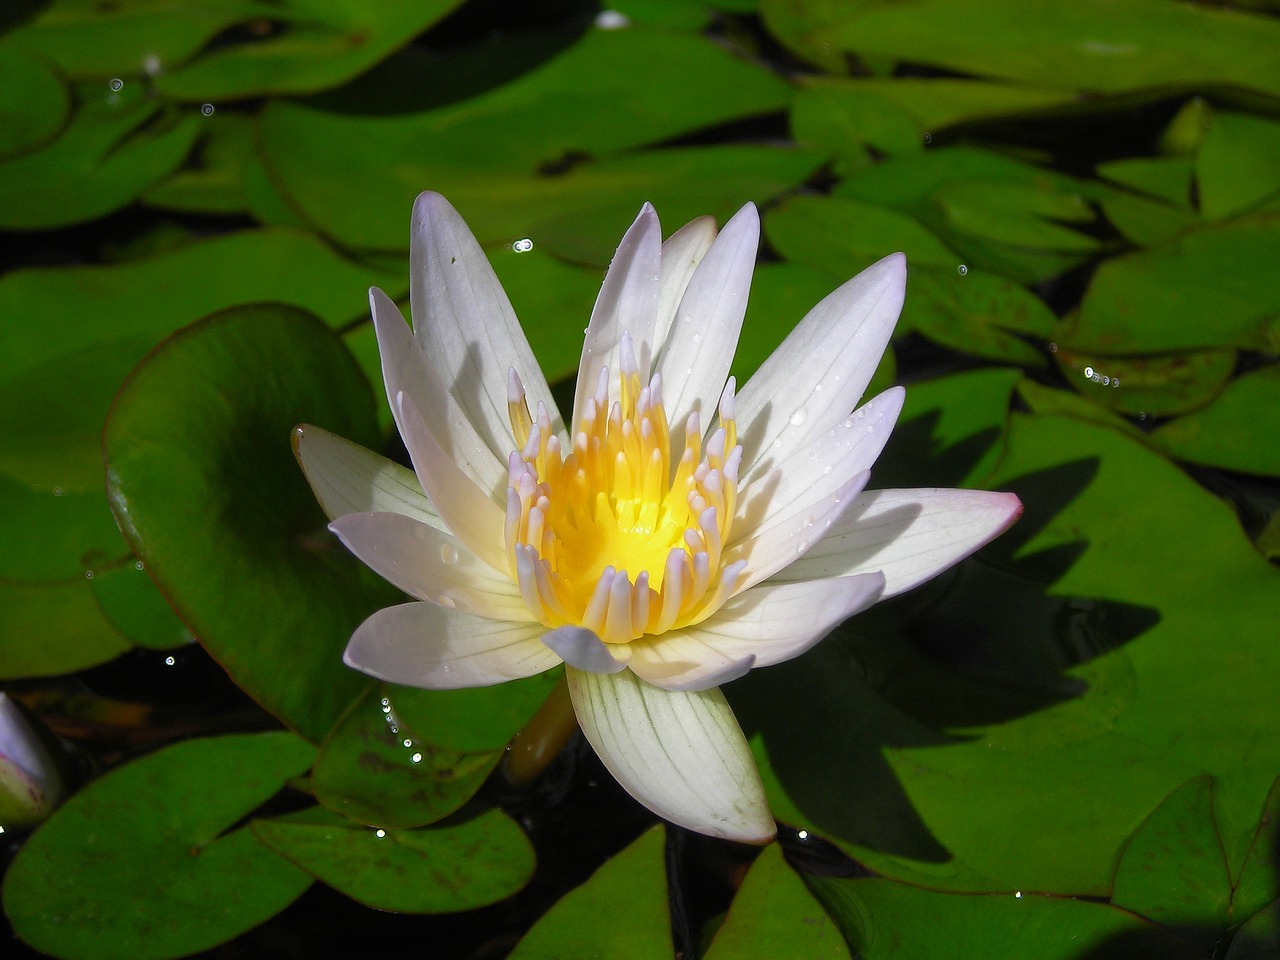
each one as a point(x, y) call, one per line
point(379, 833)
point(799, 417)
point(523, 245)
point(407, 743)
point(138, 565)
point(802, 546)
point(416, 758)
point(170, 661)
point(962, 269)
point(88, 574)
point(449, 554)
point(117, 84)
point(1088, 372)
point(446, 602)
point(927, 138)
point(207, 109)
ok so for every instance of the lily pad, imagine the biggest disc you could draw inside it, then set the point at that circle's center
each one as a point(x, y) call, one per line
point(204, 486)
point(54, 534)
point(130, 865)
point(636, 877)
point(55, 433)
point(1210, 288)
point(48, 629)
point(774, 915)
point(374, 770)
point(1099, 46)
point(34, 101)
point(544, 120)
point(843, 236)
point(977, 313)
point(116, 146)
point(1173, 870)
point(475, 720)
point(1238, 164)
point(213, 181)
point(1155, 386)
point(882, 920)
point(132, 604)
point(1236, 431)
point(1167, 178)
point(462, 865)
point(312, 46)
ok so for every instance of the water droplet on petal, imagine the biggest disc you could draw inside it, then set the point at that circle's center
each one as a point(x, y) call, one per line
point(799, 417)
point(449, 554)
point(447, 602)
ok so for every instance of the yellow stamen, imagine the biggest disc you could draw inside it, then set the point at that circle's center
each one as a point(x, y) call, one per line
point(609, 536)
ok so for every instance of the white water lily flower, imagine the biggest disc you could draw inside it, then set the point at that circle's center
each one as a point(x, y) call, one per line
point(31, 785)
point(679, 533)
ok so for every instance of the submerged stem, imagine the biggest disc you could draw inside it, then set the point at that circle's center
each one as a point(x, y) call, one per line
point(533, 748)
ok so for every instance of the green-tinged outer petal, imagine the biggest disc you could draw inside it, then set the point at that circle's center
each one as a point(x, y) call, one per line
point(682, 755)
point(347, 478)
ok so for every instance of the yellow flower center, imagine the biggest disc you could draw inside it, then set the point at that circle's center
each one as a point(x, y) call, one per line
point(606, 535)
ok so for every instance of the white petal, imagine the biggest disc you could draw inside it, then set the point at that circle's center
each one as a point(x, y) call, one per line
point(682, 755)
point(423, 645)
point(581, 648)
point(465, 324)
point(818, 374)
point(347, 478)
point(467, 511)
point(688, 665)
point(681, 254)
point(910, 535)
point(405, 370)
point(766, 625)
point(430, 564)
point(695, 358)
point(628, 301)
point(783, 486)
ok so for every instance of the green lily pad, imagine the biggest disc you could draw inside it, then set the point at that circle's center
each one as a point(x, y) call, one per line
point(894, 115)
point(1173, 870)
point(948, 190)
point(213, 182)
point(54, 534)
point(1166, 178)
point(843, 236)
point(120, 39)
point(374, 770)
point(314, 46)
point(1236, 431)
point(204, 485)
point(1146, 222)
point(1256, 885)
point(1210, 288)
point(1018, 214)
point(130, 866)
point(493, 145)
point(774, 915)
point(132, 604)
point(884, 920)
point(943, 735)
point(444, 869)
point(116, 146)
point(475, 720)
point(1042, 399)
point(1238, 164)
point(636, 877)
point(48, 629)
point(1098, 46)
point(55, 433)
point(34, 102)
point(1155, 386)
point(977, 313)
